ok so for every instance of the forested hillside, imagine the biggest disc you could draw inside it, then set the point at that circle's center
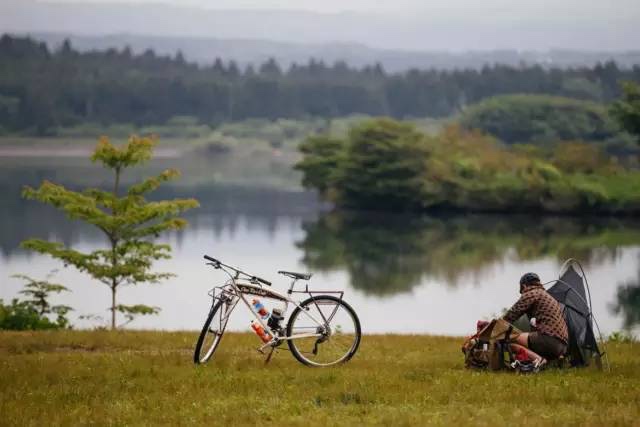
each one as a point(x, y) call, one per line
point(204, 50)
point(41, 90)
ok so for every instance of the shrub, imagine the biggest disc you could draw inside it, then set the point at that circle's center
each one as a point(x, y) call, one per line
point(34, 312)
point(539, 119)
point(322, 162)
point(385, 166)
point(21, 316)
point(576, 157)
point(627, 110)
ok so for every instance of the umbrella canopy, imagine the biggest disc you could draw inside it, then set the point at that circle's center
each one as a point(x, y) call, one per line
point(569, 291)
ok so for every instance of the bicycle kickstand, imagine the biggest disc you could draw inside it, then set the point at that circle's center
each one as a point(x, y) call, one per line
point(270, 355)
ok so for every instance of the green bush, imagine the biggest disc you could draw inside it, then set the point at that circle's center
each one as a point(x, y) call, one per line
point(322, 162)
point(21, 316)
point(540, 119)
point(384, 167)
point(33, 312)
point(627, 110)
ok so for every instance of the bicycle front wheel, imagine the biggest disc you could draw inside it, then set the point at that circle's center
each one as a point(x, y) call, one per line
point(211, 333)
point(334, 328)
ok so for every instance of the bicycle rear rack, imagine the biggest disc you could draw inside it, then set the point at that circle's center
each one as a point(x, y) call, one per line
point(307, 291)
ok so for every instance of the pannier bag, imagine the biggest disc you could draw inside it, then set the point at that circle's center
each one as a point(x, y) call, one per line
point(489, 348)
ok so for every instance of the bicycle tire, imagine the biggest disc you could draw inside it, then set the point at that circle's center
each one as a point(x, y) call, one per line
point(197, 358)
point(312, 301)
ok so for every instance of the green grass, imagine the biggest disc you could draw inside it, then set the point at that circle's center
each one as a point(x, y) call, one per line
point(147, 378)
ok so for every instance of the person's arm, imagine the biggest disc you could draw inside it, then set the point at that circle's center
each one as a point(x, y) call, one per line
point(520, 307)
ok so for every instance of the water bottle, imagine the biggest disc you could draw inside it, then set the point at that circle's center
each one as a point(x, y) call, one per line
point(259, 330)
point(260, 309)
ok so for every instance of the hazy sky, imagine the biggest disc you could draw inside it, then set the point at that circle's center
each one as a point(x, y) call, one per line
point(405, 24)
point(596, 9)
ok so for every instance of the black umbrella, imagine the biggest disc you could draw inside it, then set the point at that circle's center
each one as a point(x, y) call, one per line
point(571, 290)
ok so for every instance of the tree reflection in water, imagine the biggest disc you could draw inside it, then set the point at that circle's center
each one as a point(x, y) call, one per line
point(628, 302)
point(389, 254)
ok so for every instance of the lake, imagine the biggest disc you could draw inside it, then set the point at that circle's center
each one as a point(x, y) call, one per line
point(401, 273)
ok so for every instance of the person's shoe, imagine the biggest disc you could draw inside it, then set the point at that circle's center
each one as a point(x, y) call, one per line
point(539, 364)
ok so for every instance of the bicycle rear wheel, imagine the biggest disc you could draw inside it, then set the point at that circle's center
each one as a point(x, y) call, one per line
point(338, 333)
point(211, 333)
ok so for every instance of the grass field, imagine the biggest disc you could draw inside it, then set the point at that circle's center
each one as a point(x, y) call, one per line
point(147, 378)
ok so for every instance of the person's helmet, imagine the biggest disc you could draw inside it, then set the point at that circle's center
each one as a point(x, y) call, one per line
point(529, 278)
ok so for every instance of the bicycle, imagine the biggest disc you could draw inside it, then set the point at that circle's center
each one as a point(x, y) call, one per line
point(323, 330)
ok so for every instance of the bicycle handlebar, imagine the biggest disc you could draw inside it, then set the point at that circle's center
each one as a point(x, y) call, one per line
point(207, 257)
point(266, 282)
point(252, 278)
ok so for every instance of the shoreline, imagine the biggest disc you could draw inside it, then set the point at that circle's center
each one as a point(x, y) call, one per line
point(74, 153)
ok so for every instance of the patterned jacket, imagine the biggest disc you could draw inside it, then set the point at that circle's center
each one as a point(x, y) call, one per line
point(536, 302)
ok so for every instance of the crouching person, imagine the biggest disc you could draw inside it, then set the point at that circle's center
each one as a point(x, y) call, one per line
point(550, 335)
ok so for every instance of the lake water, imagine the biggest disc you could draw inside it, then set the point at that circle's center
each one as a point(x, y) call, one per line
point(402, 274)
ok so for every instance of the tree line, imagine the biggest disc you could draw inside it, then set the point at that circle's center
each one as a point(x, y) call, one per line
point(43, 90)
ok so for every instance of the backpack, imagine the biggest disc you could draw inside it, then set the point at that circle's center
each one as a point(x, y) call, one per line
point(489, 348)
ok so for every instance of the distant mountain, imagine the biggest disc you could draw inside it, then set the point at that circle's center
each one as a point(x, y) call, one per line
point(443, 25)
point(244, 52)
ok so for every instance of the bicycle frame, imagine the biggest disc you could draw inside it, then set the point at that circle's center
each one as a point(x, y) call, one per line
point(237, 289)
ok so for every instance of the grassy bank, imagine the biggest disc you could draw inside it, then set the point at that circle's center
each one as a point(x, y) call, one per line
point(147, 378)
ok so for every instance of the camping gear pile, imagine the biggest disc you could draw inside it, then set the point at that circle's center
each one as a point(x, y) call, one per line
point(489, 348)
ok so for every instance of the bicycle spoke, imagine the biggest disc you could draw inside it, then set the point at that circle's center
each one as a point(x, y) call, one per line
point(325, 318)
point(338, 332)
point(212, 332)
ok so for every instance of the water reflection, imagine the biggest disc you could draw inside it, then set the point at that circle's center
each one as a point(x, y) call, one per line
point(222, 210)
point(627, 303)
point(419, 268)
point(258, 185)
point(387, 254)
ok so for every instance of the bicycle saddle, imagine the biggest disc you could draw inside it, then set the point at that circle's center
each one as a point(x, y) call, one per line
point(296, 275)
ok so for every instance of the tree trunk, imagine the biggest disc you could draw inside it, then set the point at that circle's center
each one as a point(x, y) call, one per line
point(113, 307)
point(114, 257)
point(116, 185)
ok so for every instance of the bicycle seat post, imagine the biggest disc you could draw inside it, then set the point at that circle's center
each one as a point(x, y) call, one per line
point(293, 283)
